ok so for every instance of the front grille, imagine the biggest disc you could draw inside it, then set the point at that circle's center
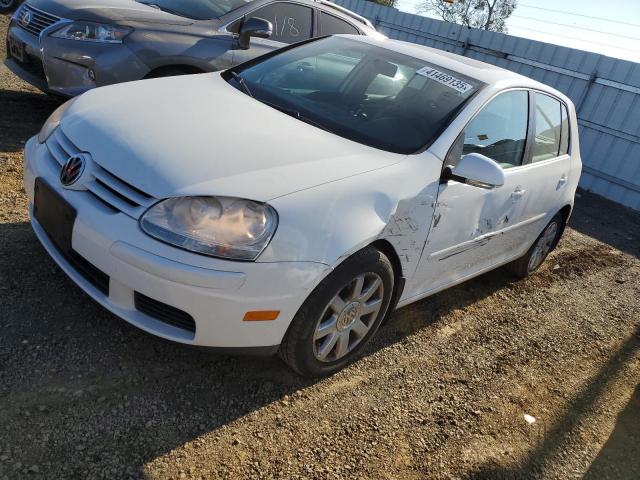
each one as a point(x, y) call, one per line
point(39, 19)
point(163, 312)
point(33, 65)
point(93, 275)
point(106, 187)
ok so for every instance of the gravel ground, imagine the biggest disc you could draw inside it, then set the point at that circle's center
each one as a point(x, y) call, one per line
point(442, 393)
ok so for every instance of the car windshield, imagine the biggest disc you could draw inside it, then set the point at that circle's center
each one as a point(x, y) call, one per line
point(363, 92)
point(196, 9)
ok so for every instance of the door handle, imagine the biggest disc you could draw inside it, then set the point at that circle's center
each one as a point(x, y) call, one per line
point(518, 193)
point(563, 181)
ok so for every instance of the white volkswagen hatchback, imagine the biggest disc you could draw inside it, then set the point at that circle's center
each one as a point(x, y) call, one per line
point(291, 203)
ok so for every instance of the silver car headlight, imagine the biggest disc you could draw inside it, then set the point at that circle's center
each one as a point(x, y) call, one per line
point(93, 32)
point(224, 227)
point(54, 120)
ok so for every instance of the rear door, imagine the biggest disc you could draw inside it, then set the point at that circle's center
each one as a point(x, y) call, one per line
point(549, 164)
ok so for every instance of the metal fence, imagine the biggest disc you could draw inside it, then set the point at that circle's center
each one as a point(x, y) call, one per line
point(605, 90)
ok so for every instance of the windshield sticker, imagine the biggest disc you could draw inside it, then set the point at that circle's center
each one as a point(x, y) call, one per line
point(445, 79)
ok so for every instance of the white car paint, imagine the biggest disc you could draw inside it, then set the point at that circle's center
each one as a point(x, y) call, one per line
point(333, 197)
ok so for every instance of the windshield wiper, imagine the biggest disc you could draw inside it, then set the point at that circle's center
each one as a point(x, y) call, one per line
point(238, 78)
point(296, 114)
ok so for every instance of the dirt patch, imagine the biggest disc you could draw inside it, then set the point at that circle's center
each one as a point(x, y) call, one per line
point(441, 393)
point(586, 260)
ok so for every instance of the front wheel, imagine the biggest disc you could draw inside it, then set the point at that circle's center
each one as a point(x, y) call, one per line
point(340, 316)
point(537, 254)
point(8, 6)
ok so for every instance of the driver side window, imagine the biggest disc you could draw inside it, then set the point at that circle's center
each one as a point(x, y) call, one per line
point(498, 132)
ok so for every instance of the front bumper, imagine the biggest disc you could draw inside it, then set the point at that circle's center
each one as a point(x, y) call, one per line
point(61, 66)
point(215, 293)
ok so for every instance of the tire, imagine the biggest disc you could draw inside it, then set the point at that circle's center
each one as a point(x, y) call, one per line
point(537, 254)
point(330, 329)
point(8, 6)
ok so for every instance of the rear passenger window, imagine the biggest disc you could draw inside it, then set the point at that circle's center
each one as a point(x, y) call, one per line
point(291, 22)
point(546, 143)
point(499, 131)
point(564, 132)
point(331, 25)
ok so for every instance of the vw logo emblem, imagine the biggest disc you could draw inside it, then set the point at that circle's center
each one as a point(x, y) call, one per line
point(72, 170)
point(25, 18)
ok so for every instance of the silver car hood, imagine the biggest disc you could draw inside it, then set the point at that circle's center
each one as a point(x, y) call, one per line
point(198, 135)
point(108, 11)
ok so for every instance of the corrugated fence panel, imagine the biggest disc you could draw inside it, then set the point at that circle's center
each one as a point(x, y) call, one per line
point(605, 90)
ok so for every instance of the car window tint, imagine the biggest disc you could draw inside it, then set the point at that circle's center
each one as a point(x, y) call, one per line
point(499, 131)
point(385, 86)
point(332, 25)
point(322, 72)
point(328, 83)
point(546, 143)
point(564, 132)
point(291, 22)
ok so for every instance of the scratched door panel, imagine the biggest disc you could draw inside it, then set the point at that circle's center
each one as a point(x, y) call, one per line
point(473, 229)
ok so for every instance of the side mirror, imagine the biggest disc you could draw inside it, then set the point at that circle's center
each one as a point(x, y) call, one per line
point(253, 27)
point(477, 170)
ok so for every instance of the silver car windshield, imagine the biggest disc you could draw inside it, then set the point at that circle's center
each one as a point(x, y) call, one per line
point(196, 9)
point(359, 91)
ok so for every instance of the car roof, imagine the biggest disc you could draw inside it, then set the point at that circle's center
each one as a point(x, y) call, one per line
point(485, 72)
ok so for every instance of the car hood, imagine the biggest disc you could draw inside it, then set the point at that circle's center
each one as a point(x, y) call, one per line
point(198, 135)
point(108, 11)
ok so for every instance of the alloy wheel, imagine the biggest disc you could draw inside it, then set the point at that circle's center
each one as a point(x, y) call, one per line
point(348, 317)
point(543, 246)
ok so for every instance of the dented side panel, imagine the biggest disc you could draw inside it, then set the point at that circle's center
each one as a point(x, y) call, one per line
point(394, 203)
point(472, 228)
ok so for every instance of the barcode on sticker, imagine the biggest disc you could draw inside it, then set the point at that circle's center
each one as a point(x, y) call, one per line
point(445, 79)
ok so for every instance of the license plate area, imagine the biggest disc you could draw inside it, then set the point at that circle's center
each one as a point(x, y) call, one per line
point(54, 214)
point(16, 49)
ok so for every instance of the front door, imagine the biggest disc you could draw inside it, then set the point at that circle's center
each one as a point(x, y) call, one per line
point(474, 228)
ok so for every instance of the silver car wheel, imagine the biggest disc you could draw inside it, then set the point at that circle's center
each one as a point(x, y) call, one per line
point(543, 246)
point(348, 317)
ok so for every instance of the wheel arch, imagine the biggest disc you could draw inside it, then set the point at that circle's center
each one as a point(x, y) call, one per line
point(565, 212)
point(398, 276)
point(178, 67)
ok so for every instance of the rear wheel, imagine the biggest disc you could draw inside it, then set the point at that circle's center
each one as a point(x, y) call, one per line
point(537, 254)
point(340, 316)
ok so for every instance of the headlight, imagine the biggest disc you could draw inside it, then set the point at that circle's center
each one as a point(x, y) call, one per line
point(218, 226)
point(92, 32)
point(54, 120)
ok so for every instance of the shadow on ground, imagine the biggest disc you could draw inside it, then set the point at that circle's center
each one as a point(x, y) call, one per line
point(23, 113)
point(618, 227)
point(92, 390)
point(620, 456)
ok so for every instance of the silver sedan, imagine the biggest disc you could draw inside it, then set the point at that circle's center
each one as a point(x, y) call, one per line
point(67, 47)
